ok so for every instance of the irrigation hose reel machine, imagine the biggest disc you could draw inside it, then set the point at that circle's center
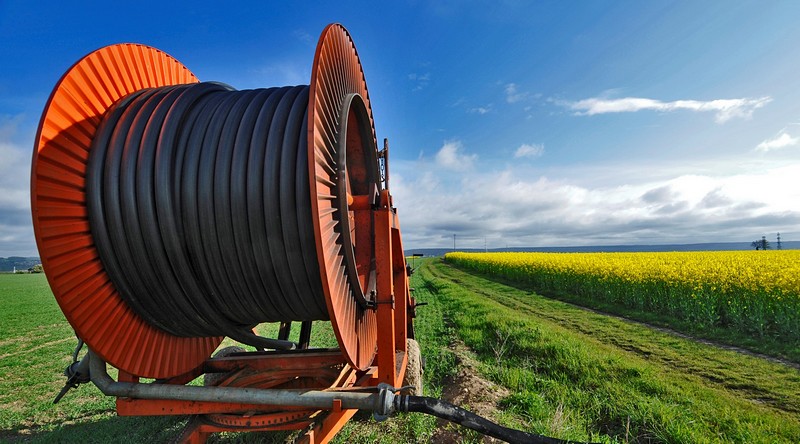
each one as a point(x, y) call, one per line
point(171, 213)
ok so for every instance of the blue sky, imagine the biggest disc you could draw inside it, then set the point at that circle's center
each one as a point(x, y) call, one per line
point(511, 123)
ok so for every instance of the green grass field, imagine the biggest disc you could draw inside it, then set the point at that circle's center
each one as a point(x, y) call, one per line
point(36, 344)
point(570, 372)
point(607, 378)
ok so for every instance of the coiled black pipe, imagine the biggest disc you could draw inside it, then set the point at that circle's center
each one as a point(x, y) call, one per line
point(198, 200)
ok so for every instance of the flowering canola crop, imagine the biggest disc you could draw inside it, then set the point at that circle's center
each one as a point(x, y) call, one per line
point(753, 292)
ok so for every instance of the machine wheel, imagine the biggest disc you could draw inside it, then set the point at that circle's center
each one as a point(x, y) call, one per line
point(414, 370)
point(216, 378)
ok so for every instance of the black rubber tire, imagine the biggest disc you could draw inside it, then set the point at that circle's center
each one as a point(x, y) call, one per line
point(216, 378)
point(414, 369)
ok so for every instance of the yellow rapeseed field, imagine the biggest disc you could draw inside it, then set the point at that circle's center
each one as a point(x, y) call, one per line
point(754, 292)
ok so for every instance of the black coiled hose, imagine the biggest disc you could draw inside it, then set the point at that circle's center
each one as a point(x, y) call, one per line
point(199, 204)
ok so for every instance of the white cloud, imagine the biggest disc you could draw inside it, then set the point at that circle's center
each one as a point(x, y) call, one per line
point(14, 167)
point(513, 95)
point(781, 140)
point(528, 150)
point(16, 231)
point(725, 109)
point(451, 157)
point(285, 72)
point(303, 36)
point(420, 80)
point(481, 110)
point(517, 207)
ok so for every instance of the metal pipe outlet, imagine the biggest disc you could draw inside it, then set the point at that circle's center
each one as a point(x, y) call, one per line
point(380, 402)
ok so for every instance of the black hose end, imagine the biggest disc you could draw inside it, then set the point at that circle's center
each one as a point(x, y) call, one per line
point(401, 403)
point(453, 413)
point(250, 338)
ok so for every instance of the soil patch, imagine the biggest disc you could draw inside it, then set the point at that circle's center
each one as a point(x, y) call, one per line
point(469, 390)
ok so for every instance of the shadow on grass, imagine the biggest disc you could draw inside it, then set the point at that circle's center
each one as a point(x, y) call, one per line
point(127, 429)
point(100, 428)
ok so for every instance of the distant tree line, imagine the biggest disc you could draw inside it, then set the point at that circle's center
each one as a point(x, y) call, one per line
point(18, 262)
point(38, 268)
point(762, 244)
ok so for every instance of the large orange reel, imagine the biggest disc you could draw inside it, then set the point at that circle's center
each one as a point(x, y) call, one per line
point(83, 289)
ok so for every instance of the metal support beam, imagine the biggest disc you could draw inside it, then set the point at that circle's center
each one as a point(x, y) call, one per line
point(386, 359)
point(381, 402)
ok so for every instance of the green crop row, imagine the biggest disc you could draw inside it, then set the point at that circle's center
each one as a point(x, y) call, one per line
point(752, 293)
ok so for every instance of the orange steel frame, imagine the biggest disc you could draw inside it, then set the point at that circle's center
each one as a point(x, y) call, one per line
point(89, 299)
point(395, 312)
point(121, 338)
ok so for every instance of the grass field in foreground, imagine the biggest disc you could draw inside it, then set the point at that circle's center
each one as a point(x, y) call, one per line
point(36, 344)
point(582, 375)
point(572, 373)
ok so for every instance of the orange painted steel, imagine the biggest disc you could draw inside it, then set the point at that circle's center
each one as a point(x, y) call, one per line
point(336, 73)
point(220, 417)
point(390, 363)
point(393, 294)
point(110, 328)
point(82, 287)
point(83, 290)
point(324, 430)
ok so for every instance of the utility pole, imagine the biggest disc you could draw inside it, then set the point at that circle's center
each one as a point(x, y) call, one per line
point(454, 242)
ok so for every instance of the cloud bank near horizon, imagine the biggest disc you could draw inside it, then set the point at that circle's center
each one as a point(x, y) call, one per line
point(519, 207)
point(16, 229)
